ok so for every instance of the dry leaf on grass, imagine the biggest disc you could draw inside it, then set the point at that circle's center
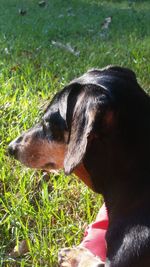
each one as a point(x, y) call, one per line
point(106, 23)
point(19, 250)
point(42, 3)
point(22, 11)
point(66, 47)
point(15, 68)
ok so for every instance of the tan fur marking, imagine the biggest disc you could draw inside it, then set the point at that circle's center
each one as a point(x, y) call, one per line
point(81, 172)
point(38, 153)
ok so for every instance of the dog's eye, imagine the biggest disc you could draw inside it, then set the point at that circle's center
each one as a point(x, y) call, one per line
point(45, 126)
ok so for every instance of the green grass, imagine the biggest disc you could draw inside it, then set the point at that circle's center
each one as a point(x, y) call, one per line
point(51, 212)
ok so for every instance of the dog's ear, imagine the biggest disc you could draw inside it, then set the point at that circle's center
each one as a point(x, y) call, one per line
point(87, 107)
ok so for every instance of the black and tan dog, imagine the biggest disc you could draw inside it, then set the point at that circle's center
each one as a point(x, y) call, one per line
point(98, 127)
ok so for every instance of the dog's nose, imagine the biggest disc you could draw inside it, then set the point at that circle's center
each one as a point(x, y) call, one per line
point(12, 150)
point(14, 146)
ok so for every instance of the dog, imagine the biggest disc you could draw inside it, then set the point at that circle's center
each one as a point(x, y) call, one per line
point(98, 127)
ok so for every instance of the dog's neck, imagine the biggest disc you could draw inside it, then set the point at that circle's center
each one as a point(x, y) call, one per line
point(121, 176)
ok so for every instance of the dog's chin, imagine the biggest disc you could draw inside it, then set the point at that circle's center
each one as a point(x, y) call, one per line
point(50, 168)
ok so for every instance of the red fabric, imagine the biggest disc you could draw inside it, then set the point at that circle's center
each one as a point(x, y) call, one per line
point(94, 239)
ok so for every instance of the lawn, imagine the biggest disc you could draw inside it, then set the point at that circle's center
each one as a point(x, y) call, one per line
point(41, 49)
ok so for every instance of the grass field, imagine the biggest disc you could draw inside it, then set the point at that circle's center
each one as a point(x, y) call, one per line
point(51, 212)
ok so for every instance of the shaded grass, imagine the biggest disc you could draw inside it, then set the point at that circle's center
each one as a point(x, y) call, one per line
point(51, 212)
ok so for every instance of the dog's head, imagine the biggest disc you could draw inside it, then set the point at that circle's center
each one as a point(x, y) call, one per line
point(84, 111)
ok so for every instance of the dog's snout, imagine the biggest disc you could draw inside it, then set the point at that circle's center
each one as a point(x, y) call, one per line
point(14, 145)
point(12, 150)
